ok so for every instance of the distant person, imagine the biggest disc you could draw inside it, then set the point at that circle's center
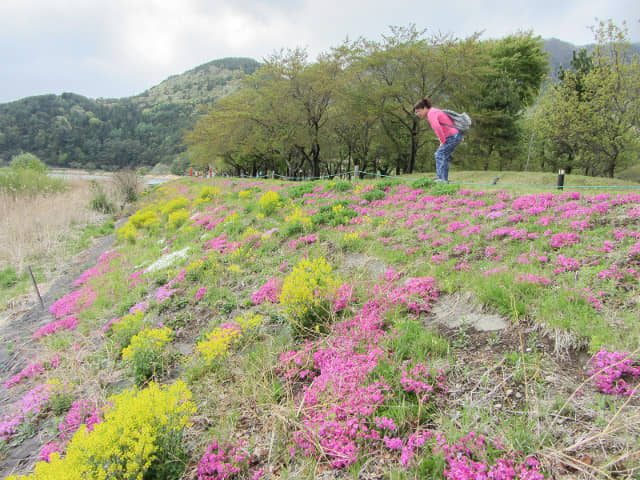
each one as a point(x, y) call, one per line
point(450, 137)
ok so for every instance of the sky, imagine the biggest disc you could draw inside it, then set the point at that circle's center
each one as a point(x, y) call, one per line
point(120, 48)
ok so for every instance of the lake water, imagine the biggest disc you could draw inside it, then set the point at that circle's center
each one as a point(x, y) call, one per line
point(147, 180)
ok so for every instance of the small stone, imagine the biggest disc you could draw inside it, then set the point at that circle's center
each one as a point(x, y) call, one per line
point(498, 406)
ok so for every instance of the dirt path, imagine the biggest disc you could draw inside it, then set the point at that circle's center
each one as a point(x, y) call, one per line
point(19, 348)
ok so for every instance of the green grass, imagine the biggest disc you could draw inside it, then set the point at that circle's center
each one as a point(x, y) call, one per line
point(245, 394)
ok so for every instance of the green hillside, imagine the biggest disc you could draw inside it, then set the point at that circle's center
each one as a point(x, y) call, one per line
point(70, 130)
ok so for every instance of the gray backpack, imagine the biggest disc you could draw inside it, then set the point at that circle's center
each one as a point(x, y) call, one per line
point(461, 121)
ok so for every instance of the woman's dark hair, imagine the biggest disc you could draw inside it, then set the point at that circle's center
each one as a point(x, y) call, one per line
point(424, 103)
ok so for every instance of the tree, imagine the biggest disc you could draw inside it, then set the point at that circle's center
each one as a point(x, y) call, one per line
point(406, 66)
point(28, 161)
point(517, 66)
point(593, 113)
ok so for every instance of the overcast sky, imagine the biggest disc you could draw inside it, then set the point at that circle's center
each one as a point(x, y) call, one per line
point(119, 48)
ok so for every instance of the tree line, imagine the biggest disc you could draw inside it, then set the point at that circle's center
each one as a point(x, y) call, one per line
point(354, 106)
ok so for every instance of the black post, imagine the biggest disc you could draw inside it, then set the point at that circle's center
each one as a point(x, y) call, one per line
point(560, 179)
point(35, 285)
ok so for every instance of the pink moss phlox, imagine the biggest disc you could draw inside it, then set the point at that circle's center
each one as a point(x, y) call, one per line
point(563, 239)
point(566, 264)
point(49, 449)
point(416, 440)
point(417, 379)
point(81, 412)
point(29, 407)
point(344, 296)
point(67, 323)
point(164, 293)
point(73, 302)
point(416, 294)
point(467, 460)
point(222, 461)
point(311, 238)
point(269, 292)
point(99, 270)
point(532, 279)
point(32, 370)
point(139, 307)
point(200, 293)
point(136, 278)
point(209, 222)
point(512, 233)
point(611, 369)
point(167, 290)
point(219, 244)
point(340, 396)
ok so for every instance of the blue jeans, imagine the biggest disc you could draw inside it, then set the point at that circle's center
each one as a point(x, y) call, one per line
point(443, 155)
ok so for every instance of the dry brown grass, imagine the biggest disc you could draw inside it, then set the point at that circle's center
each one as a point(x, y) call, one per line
point(41, 229)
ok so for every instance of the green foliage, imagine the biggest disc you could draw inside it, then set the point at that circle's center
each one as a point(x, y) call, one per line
point(8, 277)
point(334, 214)
point(99, 201)
point(441, 188)
point(29, 182)
point(373, 195)
point(269, 202)
point(341, 186)
point(298, 191)
point(423, 183)
point(415, 341)
point(588, 120)
point(306, 296)
point(141, 437)
point(70, 130)
point(146, 354)
point(180, 165)
point(28, 161)
point(124, 330)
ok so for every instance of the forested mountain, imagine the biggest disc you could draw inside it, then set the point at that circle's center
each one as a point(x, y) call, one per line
point(70, 130)
point(561, 52)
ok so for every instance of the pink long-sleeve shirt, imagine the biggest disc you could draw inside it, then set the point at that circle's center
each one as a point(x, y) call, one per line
point(436, 118)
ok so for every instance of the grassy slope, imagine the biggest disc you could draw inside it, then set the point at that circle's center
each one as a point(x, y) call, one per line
point(504, 245)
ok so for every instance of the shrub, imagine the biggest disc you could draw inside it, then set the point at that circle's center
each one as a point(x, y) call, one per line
point(146, 354)
point(177, 218)
point(29, 182)
point(333, 215)
point(307, 294)
point(220, 339)
point(298, 191)
point(127, 184)
point(99, 201)
point(373, 195)
point(173, 205)
point(423, 182)
point(28, 161)
point(208, 194)
point(145, 218)
point(445, 189)
point(342, 186)
point(140, 437)
point(124, 330)
point(269, 202)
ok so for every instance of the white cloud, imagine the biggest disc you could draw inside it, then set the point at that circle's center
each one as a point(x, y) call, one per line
point(122, 47)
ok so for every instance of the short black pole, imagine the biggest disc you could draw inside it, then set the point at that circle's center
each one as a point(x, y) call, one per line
point(35, 285)
point(560, 179)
